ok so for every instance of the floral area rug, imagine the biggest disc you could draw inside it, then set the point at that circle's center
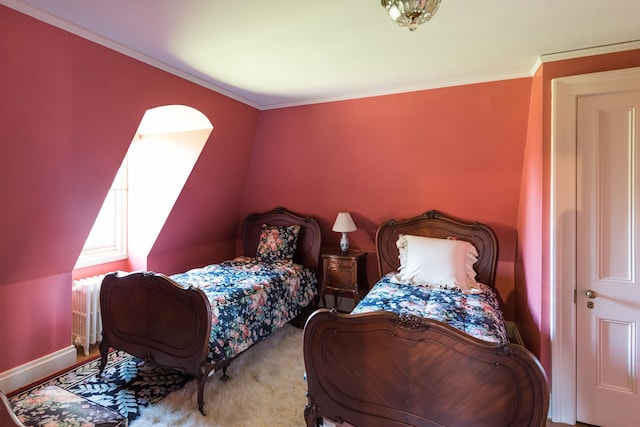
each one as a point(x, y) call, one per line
point(126, 386)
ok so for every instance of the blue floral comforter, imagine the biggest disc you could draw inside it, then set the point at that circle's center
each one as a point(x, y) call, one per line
point(249, 300)
point(478, 315)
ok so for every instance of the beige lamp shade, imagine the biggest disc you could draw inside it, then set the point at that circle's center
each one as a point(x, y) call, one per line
point(344, 223)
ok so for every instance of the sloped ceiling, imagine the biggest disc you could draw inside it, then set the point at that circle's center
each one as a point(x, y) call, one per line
point(271, 54)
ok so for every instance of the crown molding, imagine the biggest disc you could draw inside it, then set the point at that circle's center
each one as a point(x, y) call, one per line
point(103, 41)
point(405, 89)
point(590, 51)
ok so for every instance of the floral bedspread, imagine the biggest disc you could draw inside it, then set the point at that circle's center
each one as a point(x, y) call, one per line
point(249, 300)
point(478, 315)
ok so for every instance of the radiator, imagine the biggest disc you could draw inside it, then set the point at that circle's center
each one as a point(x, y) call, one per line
point(87, 322)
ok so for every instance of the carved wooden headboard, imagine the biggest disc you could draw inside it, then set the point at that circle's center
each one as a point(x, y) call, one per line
point(438, 225)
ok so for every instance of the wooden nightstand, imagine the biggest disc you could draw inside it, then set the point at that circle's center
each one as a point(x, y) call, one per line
point(344, 273)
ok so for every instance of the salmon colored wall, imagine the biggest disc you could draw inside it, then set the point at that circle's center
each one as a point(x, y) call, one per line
point(458, 150)
point(528, 268)
point(68, 111)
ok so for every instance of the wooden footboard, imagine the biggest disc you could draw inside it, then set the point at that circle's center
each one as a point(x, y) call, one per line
point(379, 369)
point(150, 316)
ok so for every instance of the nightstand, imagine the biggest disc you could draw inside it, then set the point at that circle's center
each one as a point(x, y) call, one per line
point(344, 272)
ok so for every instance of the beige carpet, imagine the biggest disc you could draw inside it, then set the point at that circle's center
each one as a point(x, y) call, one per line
point(266, 387)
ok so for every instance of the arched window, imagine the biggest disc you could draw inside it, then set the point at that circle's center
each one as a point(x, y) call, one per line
point(160, 158)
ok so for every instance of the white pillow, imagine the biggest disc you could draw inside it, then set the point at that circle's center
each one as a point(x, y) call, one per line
point(444, 263)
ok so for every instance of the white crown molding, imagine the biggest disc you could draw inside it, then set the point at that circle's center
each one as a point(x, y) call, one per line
point(81, 32)
point(551, 57)
point(103, 41)
point(590, 51)
point(414, 88)
point(535, 67)
point(581, 53)
point(37, 369)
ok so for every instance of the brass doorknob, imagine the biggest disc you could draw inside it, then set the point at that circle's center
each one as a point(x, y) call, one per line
point(590, 294)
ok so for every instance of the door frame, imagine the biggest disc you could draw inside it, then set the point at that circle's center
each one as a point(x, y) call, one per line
point(562, 228)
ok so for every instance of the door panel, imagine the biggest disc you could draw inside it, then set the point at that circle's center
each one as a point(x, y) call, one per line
point(607, 260)
point(615, 342)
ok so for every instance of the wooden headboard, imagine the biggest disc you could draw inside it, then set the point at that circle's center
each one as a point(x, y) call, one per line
point(438, 225)
point(309, 239)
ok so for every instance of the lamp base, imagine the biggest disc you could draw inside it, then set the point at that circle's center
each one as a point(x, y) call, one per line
point(344, 242)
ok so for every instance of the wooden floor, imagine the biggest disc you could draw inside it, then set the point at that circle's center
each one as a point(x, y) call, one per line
point(93, 351)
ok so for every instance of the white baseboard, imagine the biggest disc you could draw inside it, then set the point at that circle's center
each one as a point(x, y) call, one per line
point(31, 372)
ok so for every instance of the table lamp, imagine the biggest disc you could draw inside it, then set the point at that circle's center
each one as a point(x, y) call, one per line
point(344, 224)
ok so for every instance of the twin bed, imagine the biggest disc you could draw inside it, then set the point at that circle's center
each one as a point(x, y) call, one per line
point(200, 320)
point(408, 354)
point(427, 346)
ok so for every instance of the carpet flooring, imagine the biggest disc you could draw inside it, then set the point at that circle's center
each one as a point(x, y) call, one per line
point(266, 387)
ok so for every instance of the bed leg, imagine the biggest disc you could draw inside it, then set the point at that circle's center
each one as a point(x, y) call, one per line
point(104, 355)
point(201, 380)
point(224, 376)
point(310, 415)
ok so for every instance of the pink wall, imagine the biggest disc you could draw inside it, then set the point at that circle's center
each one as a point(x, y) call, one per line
point(459, 150)
point(528, 270)
point(68, 111)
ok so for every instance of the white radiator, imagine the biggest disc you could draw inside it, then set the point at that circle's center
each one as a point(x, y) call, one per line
point(87, 322)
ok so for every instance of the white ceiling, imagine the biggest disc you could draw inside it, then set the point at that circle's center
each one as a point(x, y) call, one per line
point(278, 53)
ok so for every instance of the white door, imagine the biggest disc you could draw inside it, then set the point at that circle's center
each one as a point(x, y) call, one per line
point(608, 257)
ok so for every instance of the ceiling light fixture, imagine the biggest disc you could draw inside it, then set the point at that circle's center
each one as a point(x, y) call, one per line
point(411, 13)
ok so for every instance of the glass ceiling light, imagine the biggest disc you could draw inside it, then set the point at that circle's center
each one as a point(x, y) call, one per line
point(411, 13)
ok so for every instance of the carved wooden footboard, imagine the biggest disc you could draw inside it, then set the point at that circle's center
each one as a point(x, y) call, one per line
point(379, 369)
point(150, 316)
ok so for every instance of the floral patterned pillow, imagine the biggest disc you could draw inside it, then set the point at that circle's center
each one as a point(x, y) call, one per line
point(277, 243)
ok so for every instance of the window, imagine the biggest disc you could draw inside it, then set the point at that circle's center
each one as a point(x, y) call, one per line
point(160, 158)
point(107, 241)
